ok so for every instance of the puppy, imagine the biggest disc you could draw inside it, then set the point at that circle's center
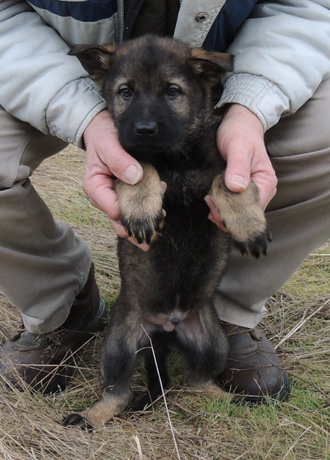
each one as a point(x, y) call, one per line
point(159, 95)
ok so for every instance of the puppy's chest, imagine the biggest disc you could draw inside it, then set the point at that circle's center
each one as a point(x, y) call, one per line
point(186, 215)
point(187, 238)
point(186, 251)
point(186, 189)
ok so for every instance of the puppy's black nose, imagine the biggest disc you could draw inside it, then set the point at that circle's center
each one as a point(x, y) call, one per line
point(175, 320)
point(145, 128)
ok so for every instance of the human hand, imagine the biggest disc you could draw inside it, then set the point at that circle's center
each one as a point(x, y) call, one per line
point(240, 140)
point(106, 160)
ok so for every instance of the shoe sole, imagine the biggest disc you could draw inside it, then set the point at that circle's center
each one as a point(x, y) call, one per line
point(281, 396)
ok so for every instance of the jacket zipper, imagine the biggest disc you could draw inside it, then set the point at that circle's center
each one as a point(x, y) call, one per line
point(119, 24)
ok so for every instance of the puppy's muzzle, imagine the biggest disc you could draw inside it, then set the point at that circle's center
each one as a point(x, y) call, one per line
point(145, 128)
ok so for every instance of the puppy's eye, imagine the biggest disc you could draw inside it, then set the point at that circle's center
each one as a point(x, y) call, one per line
point(173, 91)
point(125, 92)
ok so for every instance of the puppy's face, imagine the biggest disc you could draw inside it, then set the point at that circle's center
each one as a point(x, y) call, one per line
point(151, 106)
point(156, 90)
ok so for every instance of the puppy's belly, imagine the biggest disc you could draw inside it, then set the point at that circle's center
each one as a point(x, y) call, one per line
point(186, 322)
point(168, 321)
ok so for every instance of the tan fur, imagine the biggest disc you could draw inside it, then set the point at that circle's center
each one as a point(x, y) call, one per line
point(240, 212)
point(223, 60)
point(106, 408)
point(141, 202)
point(212, 390)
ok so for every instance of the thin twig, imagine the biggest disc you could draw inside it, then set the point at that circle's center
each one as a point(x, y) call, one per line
point(163, 393)
point(302, 321)
point(138, 446)
point(292, 446)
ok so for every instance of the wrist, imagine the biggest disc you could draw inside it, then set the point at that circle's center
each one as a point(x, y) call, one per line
point(240, 113)
point(93, 129)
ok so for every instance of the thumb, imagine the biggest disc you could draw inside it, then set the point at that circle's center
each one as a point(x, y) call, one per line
point(237, 175)
point(120, 163)
point(102, 143)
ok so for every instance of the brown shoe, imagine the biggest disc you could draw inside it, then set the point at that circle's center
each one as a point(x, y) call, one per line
point(44, 361)
point(253, 368)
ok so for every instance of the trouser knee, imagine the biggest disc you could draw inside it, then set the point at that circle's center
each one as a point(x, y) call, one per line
point(22, 149)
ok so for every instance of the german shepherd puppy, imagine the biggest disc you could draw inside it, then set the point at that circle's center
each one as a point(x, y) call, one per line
point(158, 94)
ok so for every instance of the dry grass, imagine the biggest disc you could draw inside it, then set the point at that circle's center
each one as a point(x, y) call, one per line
point(298, 323)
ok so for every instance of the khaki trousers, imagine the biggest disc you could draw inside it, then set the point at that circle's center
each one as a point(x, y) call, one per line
point(299, 214)
point(43, 264)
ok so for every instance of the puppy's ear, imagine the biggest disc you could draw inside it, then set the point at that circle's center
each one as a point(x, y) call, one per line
point(210, 64)
point(95, 59)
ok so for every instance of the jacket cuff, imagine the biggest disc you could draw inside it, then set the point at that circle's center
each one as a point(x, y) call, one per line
point(263, 97)
point(72, 109)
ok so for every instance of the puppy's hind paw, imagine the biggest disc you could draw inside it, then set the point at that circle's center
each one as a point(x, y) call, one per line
point(77, 420)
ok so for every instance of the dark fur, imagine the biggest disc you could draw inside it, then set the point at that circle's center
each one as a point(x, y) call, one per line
point(158, 93)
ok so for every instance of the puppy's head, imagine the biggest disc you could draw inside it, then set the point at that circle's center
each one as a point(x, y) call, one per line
point(157, 89)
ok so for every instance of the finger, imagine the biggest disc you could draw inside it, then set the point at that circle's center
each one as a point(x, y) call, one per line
point(121, 232)
point(143, 246)
point(164, 186)
point(119, 162)
point(214, 215)
point(118, 228)
point(264, 176)
point(267, 187)
point(217, 223)
point(102, 145)
point(237, 174)
point(102, 195)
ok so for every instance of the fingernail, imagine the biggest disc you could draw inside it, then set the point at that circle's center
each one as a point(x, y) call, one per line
point(239, 181)
point(133, 174)
point(210, 217)
point(164, 186)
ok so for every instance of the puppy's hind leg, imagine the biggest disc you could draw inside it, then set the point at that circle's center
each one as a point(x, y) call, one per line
point(204, 344)
point(155, 364)
point(118, 359)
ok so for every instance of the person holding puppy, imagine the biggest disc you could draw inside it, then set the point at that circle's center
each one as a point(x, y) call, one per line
point(274, 132)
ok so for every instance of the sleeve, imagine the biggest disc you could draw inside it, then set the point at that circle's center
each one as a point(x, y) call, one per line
point(40, 84)
point(282, 54)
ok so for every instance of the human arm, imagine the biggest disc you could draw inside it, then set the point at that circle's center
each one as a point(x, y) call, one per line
point(240, 139)
point(40, 83)
point(282, 53)
point(273, 77)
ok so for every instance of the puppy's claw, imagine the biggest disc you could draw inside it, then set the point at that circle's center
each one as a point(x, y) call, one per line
point(255, 247)
point(269, 235)
point(77, 420)
point(144, 230)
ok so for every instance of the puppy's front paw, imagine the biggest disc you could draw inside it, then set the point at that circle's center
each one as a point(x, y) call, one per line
point(141, 206)
point(243, 216)
point(77, 420)
point(255, 243)
point(144, 228)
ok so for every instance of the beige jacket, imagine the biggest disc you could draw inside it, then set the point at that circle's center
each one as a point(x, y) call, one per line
point(282, 54)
